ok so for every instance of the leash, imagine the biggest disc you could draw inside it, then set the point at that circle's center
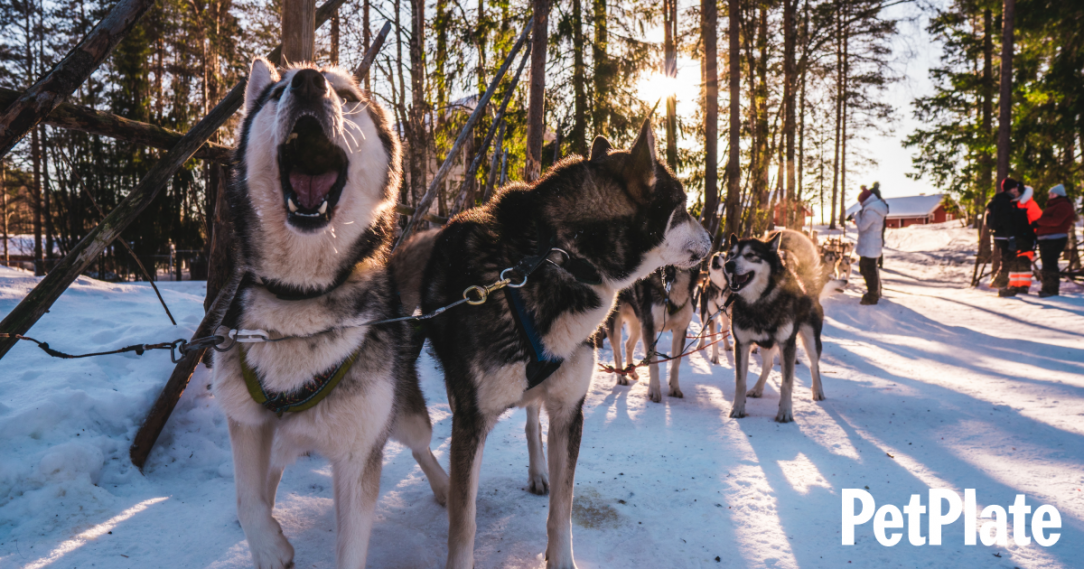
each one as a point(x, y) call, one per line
point(667, 358)
point(474, 295)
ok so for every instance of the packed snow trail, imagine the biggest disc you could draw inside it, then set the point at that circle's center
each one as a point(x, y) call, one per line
point(937, 386)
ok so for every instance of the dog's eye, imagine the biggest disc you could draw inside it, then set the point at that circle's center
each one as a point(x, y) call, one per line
point(277, 93)
point(347, 96)
point(751, 258)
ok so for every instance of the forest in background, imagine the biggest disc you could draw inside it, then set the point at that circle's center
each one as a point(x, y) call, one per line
point(807, 81)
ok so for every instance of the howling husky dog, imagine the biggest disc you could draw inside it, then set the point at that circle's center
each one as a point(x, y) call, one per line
point(317, 174)
point(662, 302)
point(713, 296)
point(772, 307)
point(602, 224)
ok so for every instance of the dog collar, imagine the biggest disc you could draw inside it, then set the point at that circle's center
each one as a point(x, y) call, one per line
point(300, 399)
point(581, 269)
point(290, 292)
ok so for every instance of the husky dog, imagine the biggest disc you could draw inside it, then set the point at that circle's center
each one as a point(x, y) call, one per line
point(601, 223)
point(660, 303)
point(713, 316)
point(772, 307)
point(312, 205)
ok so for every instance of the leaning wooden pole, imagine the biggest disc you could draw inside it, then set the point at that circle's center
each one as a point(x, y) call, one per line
point(178, 380)
point(65, 77)
point(31, 308)
point(430, 194)
point(163, 407)
point(461, 197)
point(82, 119)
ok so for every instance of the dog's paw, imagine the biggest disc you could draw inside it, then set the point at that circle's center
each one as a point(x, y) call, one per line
point(633, 375)
point(675, 391)
point(655, 394)
point(538, 484)
point(715, 360)
point(270, 550)
point(755, 393)
point(440, 491)
point(784, 416)
point(622, 380)
point(818, 396)
point(729, 348)
point(737, 412)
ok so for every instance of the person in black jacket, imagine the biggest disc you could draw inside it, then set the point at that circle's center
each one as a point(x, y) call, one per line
point(1003, 217)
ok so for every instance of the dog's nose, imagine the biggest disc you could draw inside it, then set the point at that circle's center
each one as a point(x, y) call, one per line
point(308, 84)
point(715, 262)
point(730, 267)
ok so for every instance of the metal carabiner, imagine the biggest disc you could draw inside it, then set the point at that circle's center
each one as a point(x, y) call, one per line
point(508, 282)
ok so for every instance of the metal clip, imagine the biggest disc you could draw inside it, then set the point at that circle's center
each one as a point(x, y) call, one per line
point(482, 292)
point(249, 336)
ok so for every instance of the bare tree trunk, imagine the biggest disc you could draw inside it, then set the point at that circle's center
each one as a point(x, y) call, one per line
point(298, 31)
point(789, 37)
point(536, 127)
point(603, 71)
point(335, 40)
point(418, 161)
point(709, 33)
point(760, 104)
point(366, 37)
point(4, 209)
point(986, 174)
point(839, 115)
point(843, 128)
point(669, 11)
point(46, 212)
point(733, 166)
point(35, 157)
point(577, 137)
point(1004, 121)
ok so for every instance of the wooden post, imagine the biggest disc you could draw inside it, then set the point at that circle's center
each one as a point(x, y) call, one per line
point(422, 207)
point(298, 31)
point(479, 155)
point(536, 125)
point(178, 380)
point(65, 77)
point(31, 308)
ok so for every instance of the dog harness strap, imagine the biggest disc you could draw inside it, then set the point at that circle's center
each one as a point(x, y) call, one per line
point(539, 367)
point(301, 399)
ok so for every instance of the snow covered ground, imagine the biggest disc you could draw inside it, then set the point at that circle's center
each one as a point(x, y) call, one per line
point(938, 386)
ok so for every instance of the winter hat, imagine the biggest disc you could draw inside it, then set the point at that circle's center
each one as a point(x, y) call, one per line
point(1008, 184)
point(1058, 190)
point(864, 195)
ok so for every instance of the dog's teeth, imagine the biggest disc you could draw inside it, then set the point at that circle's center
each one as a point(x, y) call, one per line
point(292, 136)
point(293, 206)
point(323, 207)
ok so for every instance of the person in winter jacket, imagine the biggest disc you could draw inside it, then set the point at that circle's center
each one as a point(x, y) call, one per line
point(876, 190)
point(1052, 232)
point(870, 222)
point(1000, 214)
point(1022, 222)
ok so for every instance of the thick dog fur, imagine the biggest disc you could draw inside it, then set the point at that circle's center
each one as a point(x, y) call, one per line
point(773, 306)
point(621, 212)
point(650, 311)
point(713, 296)
point(309, 253)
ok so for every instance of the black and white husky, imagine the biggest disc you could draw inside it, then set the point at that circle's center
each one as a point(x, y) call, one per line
point(772, 308)
point(714, 317)
point(603, 223)
point(662, 302)
point(316, 179)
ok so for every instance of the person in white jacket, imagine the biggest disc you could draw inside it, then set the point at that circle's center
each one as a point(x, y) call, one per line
point(870, 221)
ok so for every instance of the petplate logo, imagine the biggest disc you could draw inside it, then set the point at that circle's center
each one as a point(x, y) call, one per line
point(945, 508)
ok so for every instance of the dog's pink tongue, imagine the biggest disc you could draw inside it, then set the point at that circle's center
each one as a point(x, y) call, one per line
point(311, 190)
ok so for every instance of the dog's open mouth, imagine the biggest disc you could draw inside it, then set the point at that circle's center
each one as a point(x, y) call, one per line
point(737, 282)
point(313, 173)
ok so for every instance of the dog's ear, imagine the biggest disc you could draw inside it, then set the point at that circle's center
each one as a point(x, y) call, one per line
point(600, 148)
point(773, 245)
point(730, 243)
point(261, 75)
point(642, 161)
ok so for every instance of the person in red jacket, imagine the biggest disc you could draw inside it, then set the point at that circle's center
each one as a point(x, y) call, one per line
point(1052, 231)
